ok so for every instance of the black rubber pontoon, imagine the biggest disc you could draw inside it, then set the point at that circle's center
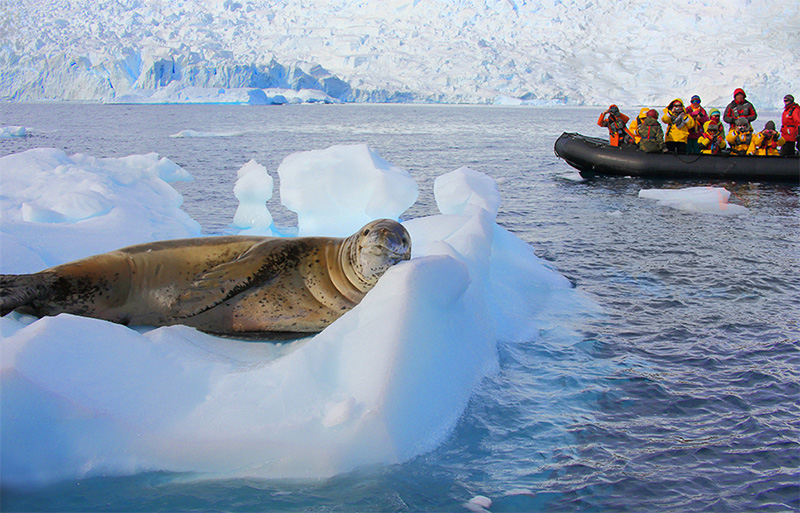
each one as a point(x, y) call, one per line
point(593, 156)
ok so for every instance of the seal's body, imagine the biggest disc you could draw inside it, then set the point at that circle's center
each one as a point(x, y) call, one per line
point(262, 287)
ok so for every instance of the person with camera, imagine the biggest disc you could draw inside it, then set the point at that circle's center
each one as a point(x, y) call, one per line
point(678, 126)
point(700, 117)
point(615, 121)
point(712, 140)
point(740, 137)
point(790, 122)
point(650, 133)
point(637, 121)
point(766, 142)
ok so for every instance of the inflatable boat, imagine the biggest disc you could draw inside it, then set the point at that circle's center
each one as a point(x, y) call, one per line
point(593, 156)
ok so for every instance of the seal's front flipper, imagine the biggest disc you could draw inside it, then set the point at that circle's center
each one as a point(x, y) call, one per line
point(227, 280)
point(17, 290)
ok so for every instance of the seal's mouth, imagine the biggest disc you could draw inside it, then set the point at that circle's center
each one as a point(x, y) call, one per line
point(388, 244)
point(391, 254)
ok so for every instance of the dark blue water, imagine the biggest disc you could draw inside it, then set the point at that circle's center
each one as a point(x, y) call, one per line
point(678, 393)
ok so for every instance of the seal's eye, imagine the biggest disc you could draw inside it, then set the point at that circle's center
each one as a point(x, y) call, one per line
point(366, 231)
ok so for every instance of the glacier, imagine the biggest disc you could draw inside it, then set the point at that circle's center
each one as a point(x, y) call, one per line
point(509, 52)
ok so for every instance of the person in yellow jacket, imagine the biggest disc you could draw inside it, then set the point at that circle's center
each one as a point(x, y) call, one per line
point(740, 137)
point(767, 141)
point(638, 121)
point(712, 140)
point(678, 125)
point(713, 115)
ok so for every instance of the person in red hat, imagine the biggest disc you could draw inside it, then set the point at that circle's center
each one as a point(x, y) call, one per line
point(790, 122)
point(651, 135)
point(739, 108)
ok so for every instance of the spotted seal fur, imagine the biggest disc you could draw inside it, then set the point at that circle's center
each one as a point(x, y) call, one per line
point(249, 287)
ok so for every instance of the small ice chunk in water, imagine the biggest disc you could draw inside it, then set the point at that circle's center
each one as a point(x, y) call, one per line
point(6, 132)
point(709, 200)
point(479, 504)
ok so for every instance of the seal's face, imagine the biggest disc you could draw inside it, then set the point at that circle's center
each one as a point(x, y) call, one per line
point(381, 244)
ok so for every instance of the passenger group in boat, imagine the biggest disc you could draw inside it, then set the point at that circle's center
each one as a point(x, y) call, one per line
point(692, 130)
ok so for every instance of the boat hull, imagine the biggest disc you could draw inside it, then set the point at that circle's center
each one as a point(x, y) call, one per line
point(592, 156)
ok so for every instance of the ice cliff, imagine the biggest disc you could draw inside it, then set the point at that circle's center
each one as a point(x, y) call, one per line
point(456, 51)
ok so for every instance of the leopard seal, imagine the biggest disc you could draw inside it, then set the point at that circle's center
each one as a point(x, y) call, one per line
point(238, 286)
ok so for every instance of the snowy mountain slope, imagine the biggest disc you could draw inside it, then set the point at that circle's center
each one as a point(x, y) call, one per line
point(472, 51)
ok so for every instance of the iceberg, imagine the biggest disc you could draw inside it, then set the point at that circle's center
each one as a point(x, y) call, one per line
point(384, 383)
point(709, 200)
point(179, 92)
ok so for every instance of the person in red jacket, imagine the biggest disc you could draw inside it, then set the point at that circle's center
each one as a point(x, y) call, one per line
point(739, 108)
point(700, 116)
point(790, 122)
point(615, 122)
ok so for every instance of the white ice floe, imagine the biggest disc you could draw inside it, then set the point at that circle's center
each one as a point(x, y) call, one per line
point(384, 383)
point(198, 133)
point(709, 200)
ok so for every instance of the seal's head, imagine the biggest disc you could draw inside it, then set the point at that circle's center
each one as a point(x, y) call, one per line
point(375, 248)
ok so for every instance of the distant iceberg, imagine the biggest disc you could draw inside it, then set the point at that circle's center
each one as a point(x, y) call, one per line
point(178, 92)
point(7, 132)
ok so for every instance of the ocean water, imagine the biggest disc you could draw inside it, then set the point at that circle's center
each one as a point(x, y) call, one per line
point(678, 392)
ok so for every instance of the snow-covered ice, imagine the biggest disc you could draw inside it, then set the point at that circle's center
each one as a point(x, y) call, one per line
point(338, 190)
point(710, 200)
point(57, 208)
point(384, 383)
point(508, 52)
point(253, 189)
